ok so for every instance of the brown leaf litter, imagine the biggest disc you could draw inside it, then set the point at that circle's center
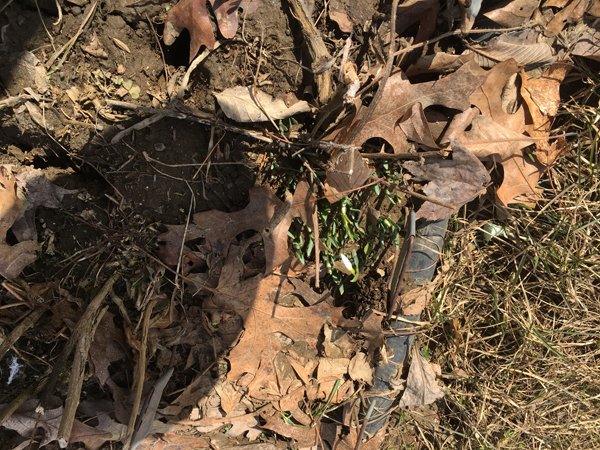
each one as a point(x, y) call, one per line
point(276, 358)
point(20, 195)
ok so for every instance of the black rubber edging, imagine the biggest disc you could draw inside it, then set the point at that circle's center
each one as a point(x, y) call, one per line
point(420, 269)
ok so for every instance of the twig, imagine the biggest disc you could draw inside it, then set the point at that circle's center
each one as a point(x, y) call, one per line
point(65, 49)
point(317, 49)
point(198, 117)
point(386, 74)
point(20, 329)
point(26, 394)
point(138, 126)
point(37, 7)
point(400, 266)
point(162, 53)
point(402, 156)
point(410, 48)
point(140, 371)
point(14, 101)
point(78, 371)
point(363, 427)
point(8, 3)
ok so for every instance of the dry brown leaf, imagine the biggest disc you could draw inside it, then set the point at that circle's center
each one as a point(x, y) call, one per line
point(219, 229)
point(400, 95)
point(229, 395)
point(416, 300)
point(487, 139)
point(439, 62)
point(337, 343)
point(193, 15)
point(488, 96)
point(421, 385)
point(424, 12)
point(338, 14)
point(347, 13)
point(331, 371)
point(513, 13)
point(26, 420)
point(304, 436)
point(454, 181)
point(571, 13)
point(248, 104)
point(107, 348)
point(347, 170)
point(265, 322)
point(174, 441)
point(522, 46)
point(416, 128)
point(541, 97)
point(585, 40)
point(20, 196)
point(360, 369)
point(521, 176)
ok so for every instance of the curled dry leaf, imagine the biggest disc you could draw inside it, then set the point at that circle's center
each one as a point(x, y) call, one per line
point(453, 181)
point(541, 98)
point(522, 46)
point(359, 369)
point(347, 170)
point(248, 104)
point(193, 15)
point(513, 13)
point(571, 13)
point(400, 95)
point(20, 196)
point(521, 173)
point(421, 385)
point(585, 40)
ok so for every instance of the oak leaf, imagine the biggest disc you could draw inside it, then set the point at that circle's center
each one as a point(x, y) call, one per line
point(218, 229)
point(267, 324)
point(521, 174)
point(194, 16)
point(453, 181)
point(20, 196)
point(399, 97)
point(421, 385)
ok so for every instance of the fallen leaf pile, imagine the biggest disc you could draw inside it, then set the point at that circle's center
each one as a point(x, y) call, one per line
point(496, 101)
point(278, 358)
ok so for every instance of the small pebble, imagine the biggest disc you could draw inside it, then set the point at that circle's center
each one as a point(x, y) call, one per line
point(159, 147)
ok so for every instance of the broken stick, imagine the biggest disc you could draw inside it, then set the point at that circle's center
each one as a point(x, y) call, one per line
point(316, 48)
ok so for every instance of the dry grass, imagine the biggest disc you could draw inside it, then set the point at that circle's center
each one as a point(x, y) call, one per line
point(517, 319)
